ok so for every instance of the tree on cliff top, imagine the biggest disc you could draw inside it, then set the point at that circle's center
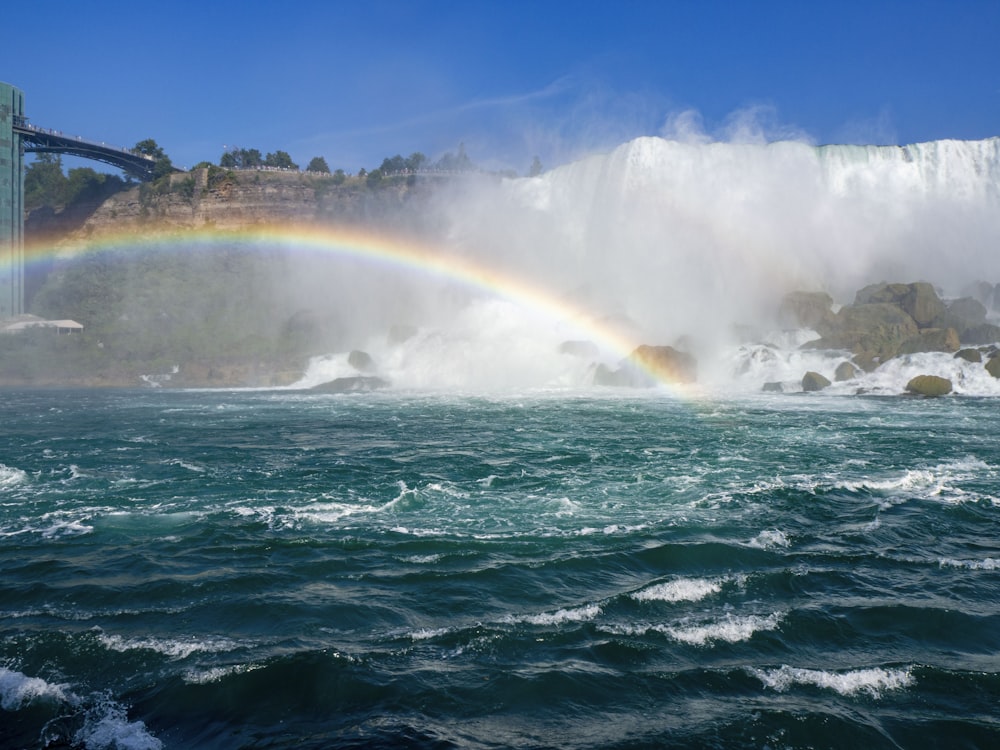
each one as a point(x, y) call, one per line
point(318, 164)
point(280, 160)
point(151, 148)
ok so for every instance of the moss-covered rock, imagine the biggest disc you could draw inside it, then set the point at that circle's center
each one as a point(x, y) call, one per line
point(969, 355)
point(929, 386)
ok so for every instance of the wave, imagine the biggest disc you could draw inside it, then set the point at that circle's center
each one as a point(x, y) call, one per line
point(680, 590)
point(872, 682)
point(989, 563)
point(11, 477)
point(728, 629)
point(558, 617)
point(95, 723)
point(172, 648)
point(18, 690)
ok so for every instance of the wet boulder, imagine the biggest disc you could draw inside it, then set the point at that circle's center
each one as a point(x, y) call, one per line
point(918, 300)
point(814, 381)
point(361, 361)
point(968, 309)
point(773, 387)
point(931, 340)
point(876, 329)
point(984, 333)
point(969, 355)
point(929, 386)
point(665, 363)
point(648, 365)
point(845, 371)
point(993, 366)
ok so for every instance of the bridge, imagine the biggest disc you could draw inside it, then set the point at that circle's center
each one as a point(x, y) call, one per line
point(17, 137)
point(44, 141)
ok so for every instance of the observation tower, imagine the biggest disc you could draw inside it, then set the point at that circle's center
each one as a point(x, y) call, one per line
point(11, 202)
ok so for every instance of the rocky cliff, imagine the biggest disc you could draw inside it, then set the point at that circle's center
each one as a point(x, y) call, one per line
point(234, 199)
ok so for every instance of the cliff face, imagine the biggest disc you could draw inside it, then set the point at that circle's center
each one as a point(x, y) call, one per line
point(231, 200)
point(215, 319)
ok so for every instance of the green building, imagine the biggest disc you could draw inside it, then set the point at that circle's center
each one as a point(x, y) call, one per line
point(11, 208)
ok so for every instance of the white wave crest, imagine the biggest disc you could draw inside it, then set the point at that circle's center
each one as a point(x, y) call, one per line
point(206, 676)
point(768, 539)
point(172, 648)
point(11, 477)
point(559, 617)
point(870, 681)
point(730, 629)
point(990, 563)
point(425, 634)
point(107, 728)
point(18, 690)
point(679, 590)
point(105, 722)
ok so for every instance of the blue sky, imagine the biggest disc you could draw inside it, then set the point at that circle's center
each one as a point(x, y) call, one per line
point(358, 81)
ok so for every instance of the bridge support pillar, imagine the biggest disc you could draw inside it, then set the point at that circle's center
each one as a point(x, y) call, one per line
point(11, 203)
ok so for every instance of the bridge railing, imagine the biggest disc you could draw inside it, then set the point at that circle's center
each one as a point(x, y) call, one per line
point(21, 123)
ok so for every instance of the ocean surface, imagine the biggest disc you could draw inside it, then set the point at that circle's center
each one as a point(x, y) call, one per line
point(563, 568)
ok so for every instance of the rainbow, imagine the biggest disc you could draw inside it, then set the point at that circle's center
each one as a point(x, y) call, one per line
point(369, 247)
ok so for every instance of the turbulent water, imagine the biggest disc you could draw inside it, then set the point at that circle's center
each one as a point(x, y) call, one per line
point(550, 568)
point(553, 565)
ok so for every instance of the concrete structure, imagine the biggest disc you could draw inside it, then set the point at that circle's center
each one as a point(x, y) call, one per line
point(11, 203)
point(18, 136)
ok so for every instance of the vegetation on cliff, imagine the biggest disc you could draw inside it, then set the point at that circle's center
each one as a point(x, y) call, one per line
point(45, 184)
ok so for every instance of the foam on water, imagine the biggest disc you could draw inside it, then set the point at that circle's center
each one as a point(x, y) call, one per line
point(769, 538)
point(680, 590)
point(106, 727)
point(989, 563)
point(729, 629)
point(173, 648)
point(103, 723)
point(18, 690)
point(559, 617)
point(938, 483)
point(11, 477)
point(872, 682)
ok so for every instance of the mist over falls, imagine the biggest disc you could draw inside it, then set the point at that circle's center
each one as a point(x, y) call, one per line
point(688, 238)
point(663, 240)
point(657, 242)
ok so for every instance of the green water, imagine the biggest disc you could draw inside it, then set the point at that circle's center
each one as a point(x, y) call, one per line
point(545, 569)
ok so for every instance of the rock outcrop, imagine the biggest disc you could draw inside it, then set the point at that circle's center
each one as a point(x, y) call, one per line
point(354, 384)
point(891, 320)
point(227, 199)
point(806, 310)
